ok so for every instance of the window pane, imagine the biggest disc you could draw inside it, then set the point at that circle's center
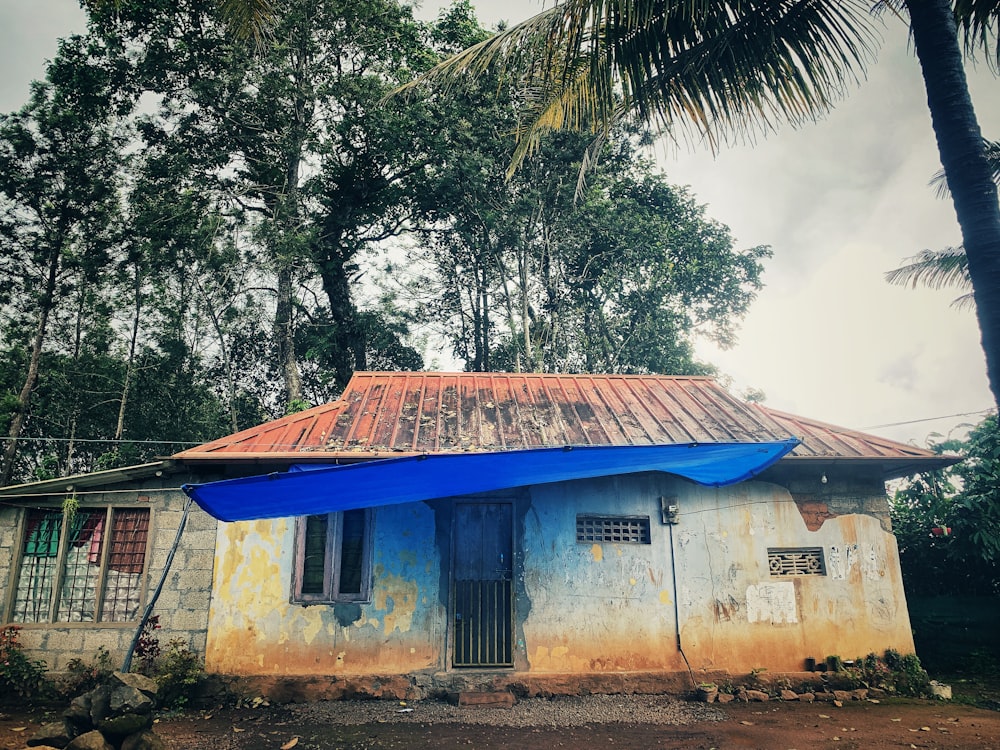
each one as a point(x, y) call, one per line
point(314, 555)
point(82, 567)
point(126, 560)
point(33, 594)
point(352, 544)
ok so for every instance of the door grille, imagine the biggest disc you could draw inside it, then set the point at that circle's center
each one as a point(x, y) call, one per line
point(483, 624)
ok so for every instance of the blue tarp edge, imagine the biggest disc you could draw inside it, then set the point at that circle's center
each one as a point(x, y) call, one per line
point(415, 478)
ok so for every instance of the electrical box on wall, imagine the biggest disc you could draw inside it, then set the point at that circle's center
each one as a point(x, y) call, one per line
point(668, 509)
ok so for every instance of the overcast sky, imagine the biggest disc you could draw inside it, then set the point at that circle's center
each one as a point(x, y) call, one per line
point(840, 202)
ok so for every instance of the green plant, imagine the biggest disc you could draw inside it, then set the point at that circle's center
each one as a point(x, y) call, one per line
point(177, 672)
point(911, 678)
point(147, 647)
point(20, 676)
point(834, 663)
point(82, 676)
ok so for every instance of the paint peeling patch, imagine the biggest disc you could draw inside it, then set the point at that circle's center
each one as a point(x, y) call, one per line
point(665, 597)
point(398, 597)
point(598, 552)
point(772, 603)
point(814, 512)
point(347, 614)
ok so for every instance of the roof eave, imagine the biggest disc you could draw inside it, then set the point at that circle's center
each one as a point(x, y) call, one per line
point(68, 484)
point(889, 467)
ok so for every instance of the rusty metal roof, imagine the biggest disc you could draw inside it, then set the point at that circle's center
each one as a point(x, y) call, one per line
point(384, 414)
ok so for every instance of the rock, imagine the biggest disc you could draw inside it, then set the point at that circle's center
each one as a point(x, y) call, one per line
point(839, 704)
point(757, 695)
point(54, 734)
point(92, 740)
point(126, 699)
point(788, 695)
point(860, 694)
point(842, 695)
point(144, 741)
point(876, 693)
point(940, 690)
point(138, 681)
point(726, 698)
point(100, 704)
point(122, 726)
point(807, 697)
point(741, 694)
point(78, 714)
point(826, 697)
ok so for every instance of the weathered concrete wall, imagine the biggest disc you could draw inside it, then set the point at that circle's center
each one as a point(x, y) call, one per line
point(610, 607)
point(255, 629)
point(597, 607)
point(736, 616)
point(183, 605)
point(586, 608)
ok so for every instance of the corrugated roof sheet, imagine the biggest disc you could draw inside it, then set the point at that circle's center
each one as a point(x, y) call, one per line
point(399, 413)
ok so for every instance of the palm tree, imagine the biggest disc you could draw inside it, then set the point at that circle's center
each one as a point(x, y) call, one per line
point(719, 70)
point(948, 267)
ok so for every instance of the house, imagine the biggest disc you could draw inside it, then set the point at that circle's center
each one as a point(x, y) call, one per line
point(432, 529)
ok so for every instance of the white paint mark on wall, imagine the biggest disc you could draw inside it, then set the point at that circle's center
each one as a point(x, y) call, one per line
point(835, 564)
point(772, 603)
point(872, 566)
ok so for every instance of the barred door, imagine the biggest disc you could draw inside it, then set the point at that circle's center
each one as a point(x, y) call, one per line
point(482, 590)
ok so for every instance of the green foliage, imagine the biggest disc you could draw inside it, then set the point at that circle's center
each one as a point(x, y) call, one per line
point(21, 678)
point(899, 674)
point(82, 676)
point(964, 498)
point(147, 647)
point(176, 673)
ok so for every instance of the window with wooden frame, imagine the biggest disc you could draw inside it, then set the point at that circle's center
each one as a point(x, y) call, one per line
point(333, 558)
point(87, 567)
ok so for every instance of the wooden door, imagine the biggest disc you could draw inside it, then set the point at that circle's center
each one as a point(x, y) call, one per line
point(482, 586)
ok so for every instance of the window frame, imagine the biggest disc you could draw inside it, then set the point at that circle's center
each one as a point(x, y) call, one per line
point(109, 510)
point(333, 548)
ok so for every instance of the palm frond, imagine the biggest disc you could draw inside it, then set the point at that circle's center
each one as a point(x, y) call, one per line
point(934, 269)
point(979, 21)
point(708, 69)
point(940, 182)
point(249, 19)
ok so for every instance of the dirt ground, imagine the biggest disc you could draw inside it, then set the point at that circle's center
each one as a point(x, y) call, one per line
point(894, 723)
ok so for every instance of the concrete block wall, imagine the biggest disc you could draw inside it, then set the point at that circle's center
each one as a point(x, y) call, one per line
point(183, 604)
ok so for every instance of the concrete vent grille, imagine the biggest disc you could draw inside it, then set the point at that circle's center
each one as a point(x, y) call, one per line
point(796, 561)
point(616, 529)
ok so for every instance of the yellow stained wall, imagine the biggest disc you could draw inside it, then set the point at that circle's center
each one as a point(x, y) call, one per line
point(255, 629)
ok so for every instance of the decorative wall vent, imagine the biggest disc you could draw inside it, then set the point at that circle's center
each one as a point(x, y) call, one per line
point(617, 529)
point(796, 561)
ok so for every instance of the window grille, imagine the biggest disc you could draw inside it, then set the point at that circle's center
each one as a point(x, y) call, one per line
point(85, 568)
point(796, 561)
point(615, 529)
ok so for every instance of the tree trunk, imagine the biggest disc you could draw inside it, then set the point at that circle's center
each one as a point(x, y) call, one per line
point(284, 336)
point(963, 156)
point(45, 304)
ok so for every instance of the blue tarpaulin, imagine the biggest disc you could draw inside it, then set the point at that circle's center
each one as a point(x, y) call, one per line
point(404, 480)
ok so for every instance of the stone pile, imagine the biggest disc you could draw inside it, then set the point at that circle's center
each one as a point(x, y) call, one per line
point(838, 697)
point(116, 716)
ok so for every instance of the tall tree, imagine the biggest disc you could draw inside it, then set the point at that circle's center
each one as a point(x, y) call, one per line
point(721, 69)
point(58, 194)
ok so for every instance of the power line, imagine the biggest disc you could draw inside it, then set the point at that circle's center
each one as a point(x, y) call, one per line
point(931, 419)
